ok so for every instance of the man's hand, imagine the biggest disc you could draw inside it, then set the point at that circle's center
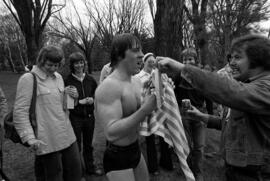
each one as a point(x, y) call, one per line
point(90, 100)
point(149, 104)
point(35, 143)
point(197, 115)
point(72, 91)
point(170, 81)
point(87, 100)
point(168, 64)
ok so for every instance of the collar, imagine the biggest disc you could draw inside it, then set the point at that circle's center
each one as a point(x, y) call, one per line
point(144, 72)
point(255, 77)
point(41, 74)
point(78, 78)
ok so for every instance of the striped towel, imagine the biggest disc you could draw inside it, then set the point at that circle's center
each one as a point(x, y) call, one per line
point(167, 123)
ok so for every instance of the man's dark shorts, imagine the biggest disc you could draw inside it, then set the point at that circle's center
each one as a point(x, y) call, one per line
point(121, 157)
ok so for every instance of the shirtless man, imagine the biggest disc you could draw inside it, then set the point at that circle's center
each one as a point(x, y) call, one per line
point(119, 108)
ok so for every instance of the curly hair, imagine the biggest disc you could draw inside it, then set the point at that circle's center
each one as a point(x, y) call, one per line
point(257, 49)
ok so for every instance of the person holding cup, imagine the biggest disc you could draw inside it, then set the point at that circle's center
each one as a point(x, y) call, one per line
point(195, 130)
point(57, 155)
point(246, 142)
point(81, 116)
point(145, 75)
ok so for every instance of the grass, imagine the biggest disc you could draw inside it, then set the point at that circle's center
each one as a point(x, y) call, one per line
point(19, 161)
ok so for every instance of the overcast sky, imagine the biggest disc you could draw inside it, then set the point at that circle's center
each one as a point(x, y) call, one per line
point(81, 7)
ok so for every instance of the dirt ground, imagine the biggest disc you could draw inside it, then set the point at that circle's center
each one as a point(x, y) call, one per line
point(18, 160)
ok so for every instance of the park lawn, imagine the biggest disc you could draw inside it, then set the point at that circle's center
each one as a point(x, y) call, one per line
point(19, 161)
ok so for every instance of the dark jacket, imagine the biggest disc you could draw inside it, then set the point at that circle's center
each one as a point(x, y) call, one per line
point(184, 90)
point(86, 88)
point(247, 133)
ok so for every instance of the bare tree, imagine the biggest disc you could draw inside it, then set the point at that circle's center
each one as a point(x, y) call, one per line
point(12, 40)
point(113, 18)
point(77, 29)
point(188, 34)
point(232, 18)
point(32, 16)
point(197, 15)
point(167, 25)
point(153, 8)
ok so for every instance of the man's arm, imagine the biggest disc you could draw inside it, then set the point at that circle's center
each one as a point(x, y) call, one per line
point(109, 111)
point(212, 121)
point(250, 97)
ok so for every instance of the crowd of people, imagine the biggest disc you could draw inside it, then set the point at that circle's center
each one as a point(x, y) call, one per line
point(73, 114)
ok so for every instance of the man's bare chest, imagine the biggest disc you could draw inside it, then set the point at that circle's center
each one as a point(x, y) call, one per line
point(130, 99)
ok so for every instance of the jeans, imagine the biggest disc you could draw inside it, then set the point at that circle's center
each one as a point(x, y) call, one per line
point(249, 173)
point(63, 165)
point(84, 129)
point(195, 132)
point(165, 154)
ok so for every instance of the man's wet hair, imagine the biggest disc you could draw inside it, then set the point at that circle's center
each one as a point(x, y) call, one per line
point(257, 49)
point(50, 53)
point(121, 43)
point(76, 57)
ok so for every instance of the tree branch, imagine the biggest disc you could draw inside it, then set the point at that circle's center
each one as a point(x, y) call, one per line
point(13, 14)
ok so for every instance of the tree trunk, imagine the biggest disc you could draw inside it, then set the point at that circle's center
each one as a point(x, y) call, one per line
point(10, 60)
point(201, 40)
point(21, 57)
point(32, 49)
point(89, 61)
point(167, 26)
point(227, 31)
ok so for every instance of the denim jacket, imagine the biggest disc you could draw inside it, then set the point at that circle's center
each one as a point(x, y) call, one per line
point(247, 133)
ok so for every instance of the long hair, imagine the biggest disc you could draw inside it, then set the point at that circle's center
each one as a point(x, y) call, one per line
point(121, 43)
point(257, 49)
point(76, 57)
point(50, 53)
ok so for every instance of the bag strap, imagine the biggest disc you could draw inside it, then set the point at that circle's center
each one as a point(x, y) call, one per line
point(32, 109)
